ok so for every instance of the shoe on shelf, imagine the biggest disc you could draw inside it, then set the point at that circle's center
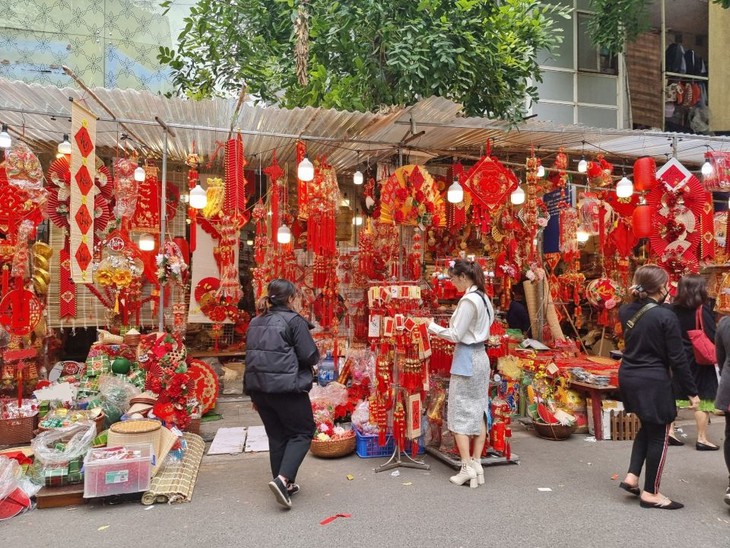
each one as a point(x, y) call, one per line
point(726, 498)
point(675, 441)
point(477, 466)
point(705, 447)
point(466, 473)
point(634, 490)
point(663, 505)
point(279, 489)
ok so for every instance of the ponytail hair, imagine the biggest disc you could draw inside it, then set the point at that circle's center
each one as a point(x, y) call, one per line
point(279, 291)
point(471, 270)
point(648, 280)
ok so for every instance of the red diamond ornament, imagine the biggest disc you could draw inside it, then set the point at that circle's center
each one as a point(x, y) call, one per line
point(84, 219)
point(83, 179)
point(84, 142)
point(83, 257)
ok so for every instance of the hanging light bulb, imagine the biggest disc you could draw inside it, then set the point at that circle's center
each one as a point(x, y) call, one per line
point(707, 169)
point(5, 140)
point(249, 242)
point(541, 171)
point(198, 197)
point(582, 165)
point(283, 235)
point(582, 235)
point(455, 194)
point(139, 174)
point(146, 242)
point(624, 188)
point(357, 178)
point(357, 220)
point(305, 170)
point(64, 147)
point(518, 196)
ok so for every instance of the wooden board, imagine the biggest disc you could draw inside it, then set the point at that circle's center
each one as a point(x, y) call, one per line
point(56, 497)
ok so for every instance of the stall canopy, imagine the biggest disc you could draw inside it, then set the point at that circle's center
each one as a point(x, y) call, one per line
point(434, 127)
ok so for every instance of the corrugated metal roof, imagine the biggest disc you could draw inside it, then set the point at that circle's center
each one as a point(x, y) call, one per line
point(41, 114)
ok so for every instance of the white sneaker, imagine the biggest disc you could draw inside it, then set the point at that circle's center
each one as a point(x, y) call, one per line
point(466, 473)
point(477, 467)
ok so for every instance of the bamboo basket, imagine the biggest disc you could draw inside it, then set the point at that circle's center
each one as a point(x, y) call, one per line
point(331, 449)
point(555, 432)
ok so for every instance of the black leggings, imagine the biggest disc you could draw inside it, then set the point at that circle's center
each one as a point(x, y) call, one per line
point(726, 446)
point(650, 446)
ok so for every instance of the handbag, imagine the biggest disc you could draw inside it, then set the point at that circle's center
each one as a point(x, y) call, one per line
point(703, 347)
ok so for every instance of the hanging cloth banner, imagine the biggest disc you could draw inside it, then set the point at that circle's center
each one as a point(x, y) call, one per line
point(83, 190)
point(146, 216)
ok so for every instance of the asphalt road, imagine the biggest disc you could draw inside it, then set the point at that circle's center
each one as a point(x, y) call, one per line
point(561, 494)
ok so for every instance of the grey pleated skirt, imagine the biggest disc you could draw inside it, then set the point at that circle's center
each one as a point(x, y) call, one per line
point(468, 406)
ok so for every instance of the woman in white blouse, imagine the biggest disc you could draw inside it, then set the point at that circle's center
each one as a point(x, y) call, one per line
point(468, 405)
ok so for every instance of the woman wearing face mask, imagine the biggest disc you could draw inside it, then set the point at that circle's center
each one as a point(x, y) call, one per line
point(654, 354)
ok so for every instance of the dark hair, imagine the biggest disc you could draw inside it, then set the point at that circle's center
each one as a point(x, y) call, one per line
point(648, 280)
point(691, 291)
point(471, 270)
point(279, 292)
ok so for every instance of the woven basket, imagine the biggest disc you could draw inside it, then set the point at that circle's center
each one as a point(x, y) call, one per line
point(554, 431)
point(331, 449)
point(15, 431)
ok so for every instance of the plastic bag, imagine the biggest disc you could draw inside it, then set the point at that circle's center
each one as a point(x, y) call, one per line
point(10, 473)
point(333, 394)
point(115, 394)
point(361, 419)
point(62, 445)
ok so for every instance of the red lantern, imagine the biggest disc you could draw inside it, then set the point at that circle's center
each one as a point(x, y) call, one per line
point(644, 173)
point(641, 221)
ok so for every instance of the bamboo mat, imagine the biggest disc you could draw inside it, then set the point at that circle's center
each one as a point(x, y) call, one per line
point(175, 482)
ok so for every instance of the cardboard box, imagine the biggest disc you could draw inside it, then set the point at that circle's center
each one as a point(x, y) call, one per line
point(606, 407)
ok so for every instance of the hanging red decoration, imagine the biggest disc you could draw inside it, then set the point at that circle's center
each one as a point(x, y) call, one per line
point(644, 174)
point(235, 200)
point(641, 221)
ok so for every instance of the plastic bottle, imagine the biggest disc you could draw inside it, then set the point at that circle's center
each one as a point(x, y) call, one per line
point(326, 372)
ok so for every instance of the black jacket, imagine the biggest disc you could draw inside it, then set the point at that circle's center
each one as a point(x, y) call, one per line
point(654, 353)
point(280, 353)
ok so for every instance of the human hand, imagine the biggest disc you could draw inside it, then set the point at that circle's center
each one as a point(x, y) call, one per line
point(694, 402)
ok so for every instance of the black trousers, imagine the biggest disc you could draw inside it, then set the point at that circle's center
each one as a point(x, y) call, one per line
point(650, 447)
point(726, 445)
point(290, 427)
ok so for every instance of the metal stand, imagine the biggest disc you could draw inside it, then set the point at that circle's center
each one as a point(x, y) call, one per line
point(395, 460)
point(492, 459)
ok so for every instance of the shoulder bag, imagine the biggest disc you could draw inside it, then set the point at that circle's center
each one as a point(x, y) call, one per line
point(703, 347)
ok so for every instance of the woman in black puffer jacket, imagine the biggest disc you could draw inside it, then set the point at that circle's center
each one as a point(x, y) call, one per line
point(280, 354)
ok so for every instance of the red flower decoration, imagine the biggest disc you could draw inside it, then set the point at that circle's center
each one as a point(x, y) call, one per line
point(399, 216)
point(420, 197)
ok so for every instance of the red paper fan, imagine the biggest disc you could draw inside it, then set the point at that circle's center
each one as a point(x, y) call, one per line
point(102, 214)
point(204, 384)
point(52, 208)
point(205, 285)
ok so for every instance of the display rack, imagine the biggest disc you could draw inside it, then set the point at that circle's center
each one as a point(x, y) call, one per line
point(396, 459)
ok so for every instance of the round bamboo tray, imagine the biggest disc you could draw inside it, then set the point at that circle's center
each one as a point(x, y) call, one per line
point(555, 432)
point(332, 449)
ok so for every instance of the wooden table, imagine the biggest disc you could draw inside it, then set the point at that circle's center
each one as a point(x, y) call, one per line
point(594, 392)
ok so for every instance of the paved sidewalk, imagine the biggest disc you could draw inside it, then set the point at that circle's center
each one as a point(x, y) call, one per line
point(232, 505)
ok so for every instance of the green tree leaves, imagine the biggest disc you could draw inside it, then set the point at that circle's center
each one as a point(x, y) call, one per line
point(366, 54)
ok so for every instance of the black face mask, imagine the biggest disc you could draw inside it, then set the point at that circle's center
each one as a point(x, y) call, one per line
point(664, 297)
